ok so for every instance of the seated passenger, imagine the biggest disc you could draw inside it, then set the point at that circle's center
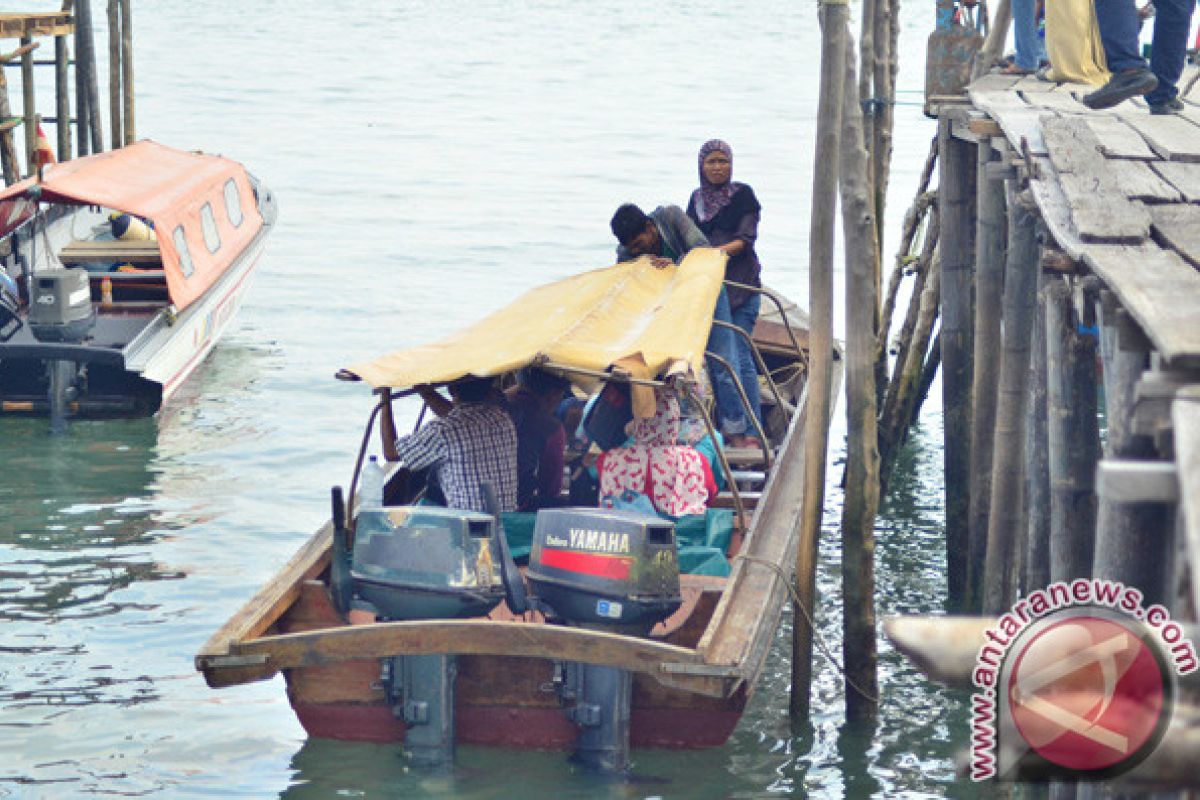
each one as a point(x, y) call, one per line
point(676, 478)
point(472, 440)
point(541, 440)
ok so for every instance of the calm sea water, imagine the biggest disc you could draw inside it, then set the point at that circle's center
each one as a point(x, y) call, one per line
point(431, 161)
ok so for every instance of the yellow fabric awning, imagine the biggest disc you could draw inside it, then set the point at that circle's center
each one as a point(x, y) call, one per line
point(588, 321)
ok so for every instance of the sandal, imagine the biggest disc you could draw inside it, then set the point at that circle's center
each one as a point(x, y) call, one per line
point(1013, 69)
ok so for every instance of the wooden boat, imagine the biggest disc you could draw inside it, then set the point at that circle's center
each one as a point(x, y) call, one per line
point(694, 673)
point(159, 304)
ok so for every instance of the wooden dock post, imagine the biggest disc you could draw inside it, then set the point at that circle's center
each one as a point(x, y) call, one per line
point(83, 139)
point(29, 102)
point(1074, 438)
point(990, 231)
point(956, 193)
point(1020, 286)
point(130, 127)
point(114, 71)
point(85, 76)
point(861, 499)
point(820, 294)
point(1036, 572)
point(62, 97)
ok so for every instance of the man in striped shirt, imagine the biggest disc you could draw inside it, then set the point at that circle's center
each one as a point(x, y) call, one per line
point(471, 441)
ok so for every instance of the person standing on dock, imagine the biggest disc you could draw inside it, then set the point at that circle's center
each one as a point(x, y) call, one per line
point(666, 235)
point(1119, 26)
point(727, 213)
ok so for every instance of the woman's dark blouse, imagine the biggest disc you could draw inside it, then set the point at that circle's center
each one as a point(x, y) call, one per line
point(738, 220)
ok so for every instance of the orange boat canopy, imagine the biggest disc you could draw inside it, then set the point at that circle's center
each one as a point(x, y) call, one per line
point(203, 207)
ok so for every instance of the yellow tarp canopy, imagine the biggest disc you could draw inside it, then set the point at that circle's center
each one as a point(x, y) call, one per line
point(589, 321)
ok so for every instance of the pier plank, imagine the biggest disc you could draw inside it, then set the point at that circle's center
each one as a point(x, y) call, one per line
point(1055, 210)
point(1139, 182)
point(1017, 118)
point(993, 82)
point(1172, 137)
point(1160, 290)
point(1183, 175)
point(1033, 85)
point(1118, 140)
point(1055, 101)
point(1179, 226)
point(1100, 207)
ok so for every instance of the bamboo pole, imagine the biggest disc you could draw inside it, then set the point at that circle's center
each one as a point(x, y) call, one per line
point(957, 245)
point(62, 97)
point(130, 128)
point(928, 373)
point(85, 62)
point(912, 225)
point(833, 15)
point(29, 103)
point(1037, 461)
point(1020, 288)
point(114, 71)
point(8, 148)
point(861, 499)
point(1073, 437)
point(990, 231)
point(914, 337)
point(83, 109)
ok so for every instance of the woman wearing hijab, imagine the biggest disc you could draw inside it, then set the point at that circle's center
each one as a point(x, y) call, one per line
point(727, 213)
point(676, 478)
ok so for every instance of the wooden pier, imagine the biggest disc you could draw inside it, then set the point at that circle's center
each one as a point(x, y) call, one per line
point(1100, 299)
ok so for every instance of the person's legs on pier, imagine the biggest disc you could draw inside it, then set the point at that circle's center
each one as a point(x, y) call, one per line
point(1168, 51)
point(1118, 21)
point(1025, 36)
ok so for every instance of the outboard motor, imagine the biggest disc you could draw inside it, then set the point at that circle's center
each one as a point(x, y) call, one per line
point(60, 310)
point(424, 562)
point(610, 570)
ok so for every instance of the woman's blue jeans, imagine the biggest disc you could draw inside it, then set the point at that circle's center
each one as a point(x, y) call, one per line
point(744, 316)
point(731, 414)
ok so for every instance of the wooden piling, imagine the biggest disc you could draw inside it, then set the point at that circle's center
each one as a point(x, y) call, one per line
point(1020, 286)
point(8, 149)
point(85, 71)
point(1073, 436)
point(130, 127)
point(861, 499)
point(29, 102)
point(114, 71)
point(820, 293)
point(62, 97)
point(957, 245)
point(1037, 460)
point(990, 231)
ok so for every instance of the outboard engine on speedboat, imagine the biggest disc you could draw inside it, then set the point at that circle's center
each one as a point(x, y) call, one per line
point(60, 310)
point(424, 562)
point(608, 570)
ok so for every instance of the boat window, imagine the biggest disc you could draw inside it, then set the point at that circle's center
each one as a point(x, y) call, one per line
point(185, 256)
point(233, 203)
point(212, 239)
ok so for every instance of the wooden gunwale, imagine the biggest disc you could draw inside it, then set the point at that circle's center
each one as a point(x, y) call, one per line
point(731, 652)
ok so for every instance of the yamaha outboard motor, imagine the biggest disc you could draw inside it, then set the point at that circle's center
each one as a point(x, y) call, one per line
point(60, 310)
point(424, 562)
point(609, 570)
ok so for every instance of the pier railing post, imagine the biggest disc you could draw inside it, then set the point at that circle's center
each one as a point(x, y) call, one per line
point(957, 248)
point(1036, 573)
point(834, 15)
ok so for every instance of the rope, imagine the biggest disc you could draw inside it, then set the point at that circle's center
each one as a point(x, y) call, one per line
point(824, 648)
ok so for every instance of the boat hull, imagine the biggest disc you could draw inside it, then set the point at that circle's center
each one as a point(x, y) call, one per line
point(501, 701)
